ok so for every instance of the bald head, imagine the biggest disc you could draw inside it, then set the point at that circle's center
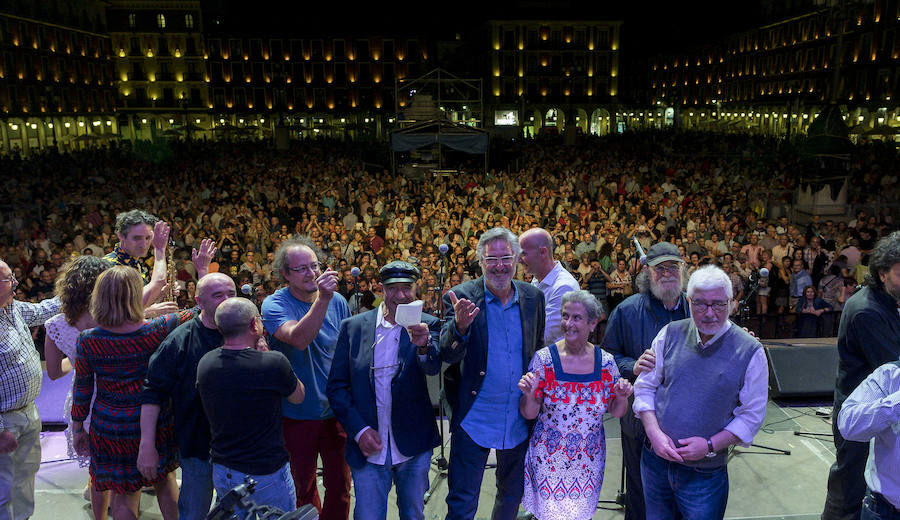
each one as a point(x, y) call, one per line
point(234, 317)
point(212, 290)
point(537, 252)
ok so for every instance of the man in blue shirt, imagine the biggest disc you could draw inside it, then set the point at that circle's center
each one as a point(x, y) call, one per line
point(493, 325)
point(800, 279)
point(304, 319)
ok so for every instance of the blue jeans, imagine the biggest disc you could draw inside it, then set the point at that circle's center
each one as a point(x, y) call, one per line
point(675, 491)
point(877, 508)
point(467, 460)
point(196, 492)
point(372, 483)
point(275, 489)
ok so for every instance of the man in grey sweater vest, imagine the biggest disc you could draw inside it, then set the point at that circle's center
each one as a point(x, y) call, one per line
point(707, 391)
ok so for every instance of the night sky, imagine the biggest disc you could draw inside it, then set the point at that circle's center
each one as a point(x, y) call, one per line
point(650, 26)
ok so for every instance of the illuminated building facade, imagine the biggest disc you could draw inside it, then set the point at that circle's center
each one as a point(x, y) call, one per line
point(554, 72)
point(160, 68)
point(341, 87)
point(776, 78)
point(56, 77)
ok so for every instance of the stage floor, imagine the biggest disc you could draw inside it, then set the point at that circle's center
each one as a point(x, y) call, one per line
point(764, 484)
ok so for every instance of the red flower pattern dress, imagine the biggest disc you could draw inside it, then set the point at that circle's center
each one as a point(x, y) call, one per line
point(567, 450)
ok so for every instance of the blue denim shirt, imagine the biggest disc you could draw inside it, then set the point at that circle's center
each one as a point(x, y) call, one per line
point(494, 420)
point(798, 282)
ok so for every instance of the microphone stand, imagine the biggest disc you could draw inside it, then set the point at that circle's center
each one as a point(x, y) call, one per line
point(441, 461)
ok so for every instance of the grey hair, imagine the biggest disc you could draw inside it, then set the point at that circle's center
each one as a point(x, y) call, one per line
point(498, 233)
point(591, 305)
point(280, 261)
point(709, 278)
point(885, 255)
point(128, 219)
point(234, 316)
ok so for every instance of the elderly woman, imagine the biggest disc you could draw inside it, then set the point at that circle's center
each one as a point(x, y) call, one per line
point(568, 388)
point(74, 287)
point(115, 355)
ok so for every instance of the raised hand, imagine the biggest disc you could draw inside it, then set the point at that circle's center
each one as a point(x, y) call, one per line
point(418, 334)
point(327, 283)
point(160, 236)
point(464, 311)
point(158, 309)
point(202, 257)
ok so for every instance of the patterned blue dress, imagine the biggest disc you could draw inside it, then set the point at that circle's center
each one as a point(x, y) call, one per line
point(567, 450)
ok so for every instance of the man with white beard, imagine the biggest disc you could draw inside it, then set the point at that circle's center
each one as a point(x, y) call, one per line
point(631, 328)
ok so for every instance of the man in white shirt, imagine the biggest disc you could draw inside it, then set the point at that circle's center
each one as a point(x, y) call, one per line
point(378, 393)
point(707, 389)
point(549, 276)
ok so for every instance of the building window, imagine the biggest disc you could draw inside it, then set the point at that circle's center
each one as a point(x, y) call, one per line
point(132, 20)
point(161, 21)
point(189, 21)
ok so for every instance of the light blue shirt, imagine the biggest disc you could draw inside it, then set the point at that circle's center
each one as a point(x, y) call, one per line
point(798, 282)
point(313, 364)
point(494, 420)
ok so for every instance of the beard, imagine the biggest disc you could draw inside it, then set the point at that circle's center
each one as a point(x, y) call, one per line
point(893, 291)
point(667, 293)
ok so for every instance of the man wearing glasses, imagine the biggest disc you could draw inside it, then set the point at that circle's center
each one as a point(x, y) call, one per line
point(632, 326)
point(378, 393)
point(706, 391)
point(493, 326)
point(303, 319)
point(20, 384)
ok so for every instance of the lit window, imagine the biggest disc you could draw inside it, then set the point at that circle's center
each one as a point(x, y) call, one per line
point(132, 20)
point(161, 20)
point(189, 21)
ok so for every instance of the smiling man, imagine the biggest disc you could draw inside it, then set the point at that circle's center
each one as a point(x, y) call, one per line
point(492, 327)
point(706, 391)
point(378, 393)
point(304, 318)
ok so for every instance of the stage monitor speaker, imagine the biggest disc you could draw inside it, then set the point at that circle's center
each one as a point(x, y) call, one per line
point(802, 367)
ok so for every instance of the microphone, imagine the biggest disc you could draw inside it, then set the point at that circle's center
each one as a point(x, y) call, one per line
point(640, 250)
point(354, 272)
point(443, 248)
point(763, 272)
point(248, 289)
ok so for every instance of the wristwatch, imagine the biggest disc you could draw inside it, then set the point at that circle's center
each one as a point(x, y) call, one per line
point(711, 452)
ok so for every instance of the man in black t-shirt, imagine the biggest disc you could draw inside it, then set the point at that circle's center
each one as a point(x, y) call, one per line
point(241, 388)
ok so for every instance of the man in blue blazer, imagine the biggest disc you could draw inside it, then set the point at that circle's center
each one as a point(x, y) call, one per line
point(378, 393)
point(492, 328)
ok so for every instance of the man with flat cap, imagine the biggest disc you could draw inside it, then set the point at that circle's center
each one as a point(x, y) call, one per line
point(378, 393)
point(631, 328)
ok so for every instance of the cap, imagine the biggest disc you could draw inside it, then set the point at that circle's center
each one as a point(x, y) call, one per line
point(398, 271)
point(663, 252)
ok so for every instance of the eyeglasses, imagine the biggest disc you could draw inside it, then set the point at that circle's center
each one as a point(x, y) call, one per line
point(304, 269)
point(494, 260)
point(667, 269)
point(703, 306)
point(12, 279)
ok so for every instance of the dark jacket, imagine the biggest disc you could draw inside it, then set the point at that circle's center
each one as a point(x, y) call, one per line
point(351, 387)
point(467, 356)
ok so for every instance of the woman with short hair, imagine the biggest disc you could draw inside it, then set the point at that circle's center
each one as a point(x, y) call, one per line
point(115, 355)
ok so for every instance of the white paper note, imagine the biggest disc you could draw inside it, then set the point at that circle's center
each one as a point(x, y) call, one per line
point(409, 314)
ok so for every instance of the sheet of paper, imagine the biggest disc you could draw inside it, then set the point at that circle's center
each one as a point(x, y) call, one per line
point(409, 313)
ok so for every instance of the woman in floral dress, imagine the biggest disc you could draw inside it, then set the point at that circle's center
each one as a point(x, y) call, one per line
point(568, 388)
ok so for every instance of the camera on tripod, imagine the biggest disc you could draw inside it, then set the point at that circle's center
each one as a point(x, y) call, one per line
point(237, 505)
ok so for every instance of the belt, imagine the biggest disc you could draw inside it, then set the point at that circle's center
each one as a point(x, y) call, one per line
point(880, 506)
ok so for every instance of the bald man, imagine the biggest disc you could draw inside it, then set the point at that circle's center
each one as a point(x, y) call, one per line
point(172, 375)
point(549, 276)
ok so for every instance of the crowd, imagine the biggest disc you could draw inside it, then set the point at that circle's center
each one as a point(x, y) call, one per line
point(697, 191)
point(660, 234)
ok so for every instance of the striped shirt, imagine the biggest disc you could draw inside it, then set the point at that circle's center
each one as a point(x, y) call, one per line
point(20, 363)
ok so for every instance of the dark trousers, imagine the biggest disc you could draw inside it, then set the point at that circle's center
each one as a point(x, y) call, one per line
point(846, 482)
point(467, 460)
point(305, 441)
point(632, 444)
